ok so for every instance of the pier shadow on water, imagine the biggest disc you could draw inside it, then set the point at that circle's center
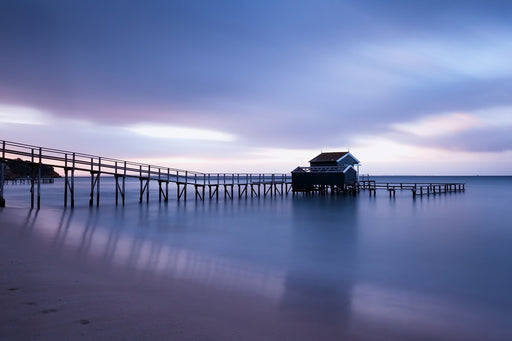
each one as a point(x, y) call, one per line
point(323, 240)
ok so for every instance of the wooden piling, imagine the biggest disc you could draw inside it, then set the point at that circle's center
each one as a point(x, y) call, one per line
point(39, 178)
point(65, 180)
point(98, 183)
point(2, 176)
point(73, 181)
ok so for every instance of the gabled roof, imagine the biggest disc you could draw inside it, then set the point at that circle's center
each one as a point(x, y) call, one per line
point(332, 157)
point(328, 157)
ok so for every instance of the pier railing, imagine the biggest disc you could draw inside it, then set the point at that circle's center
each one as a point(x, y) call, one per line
point(71, 162)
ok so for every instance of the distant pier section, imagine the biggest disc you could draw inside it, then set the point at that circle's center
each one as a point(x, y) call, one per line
point(333, 173)
point(416, 188)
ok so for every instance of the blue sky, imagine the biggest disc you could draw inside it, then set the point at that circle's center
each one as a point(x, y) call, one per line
point(410, 87)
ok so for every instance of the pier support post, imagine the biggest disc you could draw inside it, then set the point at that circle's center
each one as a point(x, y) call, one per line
point(120, 187)
point(215, 192)
point(161, 190)
point(288, 187)
point(32, 178)
point(242, 189)
point(182, 191)
point(69, 185)
point(228, 193)
point(116, 176)
point(144, 184)
point(98, 183)
point(159, 185)
point(2, 176)
point(65, 180)
point(167, 186)
point(95, 176)
point(72, 189)
point(124, 183)
point(199, 191)
point(39, 178)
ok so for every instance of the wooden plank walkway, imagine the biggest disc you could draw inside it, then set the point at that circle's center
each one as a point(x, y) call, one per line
point(253, 184)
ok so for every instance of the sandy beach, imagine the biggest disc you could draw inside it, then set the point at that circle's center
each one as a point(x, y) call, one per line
point(48, 296)
point(295, 269)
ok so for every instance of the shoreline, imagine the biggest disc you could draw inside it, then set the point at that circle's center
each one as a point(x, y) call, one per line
point(253, 270)
point(46, 296)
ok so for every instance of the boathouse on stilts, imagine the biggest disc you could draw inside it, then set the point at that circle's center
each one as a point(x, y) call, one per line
point(333, 171)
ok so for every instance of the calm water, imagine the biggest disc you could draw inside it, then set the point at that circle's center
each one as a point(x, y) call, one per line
point(438, 266)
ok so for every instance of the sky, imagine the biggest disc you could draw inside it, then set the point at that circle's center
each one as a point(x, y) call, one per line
point(408, 87)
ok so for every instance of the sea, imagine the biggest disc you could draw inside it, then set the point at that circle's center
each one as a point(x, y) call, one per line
point(439, 266)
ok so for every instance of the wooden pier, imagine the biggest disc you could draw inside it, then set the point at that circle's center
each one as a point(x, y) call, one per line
point(205, 185)
point(27, 180)
point(246, 184)
point(416, 188)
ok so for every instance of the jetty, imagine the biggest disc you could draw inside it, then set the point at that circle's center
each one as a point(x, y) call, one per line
point(417, 188)
point(204, 184)
point(328, 173)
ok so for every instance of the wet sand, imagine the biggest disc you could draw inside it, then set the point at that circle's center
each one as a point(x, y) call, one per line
point(45, 296)
point(119, 274)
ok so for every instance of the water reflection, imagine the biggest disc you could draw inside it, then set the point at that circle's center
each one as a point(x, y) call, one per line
point(139, 243)
point(381, 268)
point(323, 241)
point(62, 229)
point(30, 220)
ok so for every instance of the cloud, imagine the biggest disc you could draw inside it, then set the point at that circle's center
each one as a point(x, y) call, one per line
point(477, 53)
point(484, 130)
point(21, 115)
point(179, 133)
point(269, 75)
point(438, 125)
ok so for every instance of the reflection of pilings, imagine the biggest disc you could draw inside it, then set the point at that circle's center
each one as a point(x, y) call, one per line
point(62, 231)
point(87, 236)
